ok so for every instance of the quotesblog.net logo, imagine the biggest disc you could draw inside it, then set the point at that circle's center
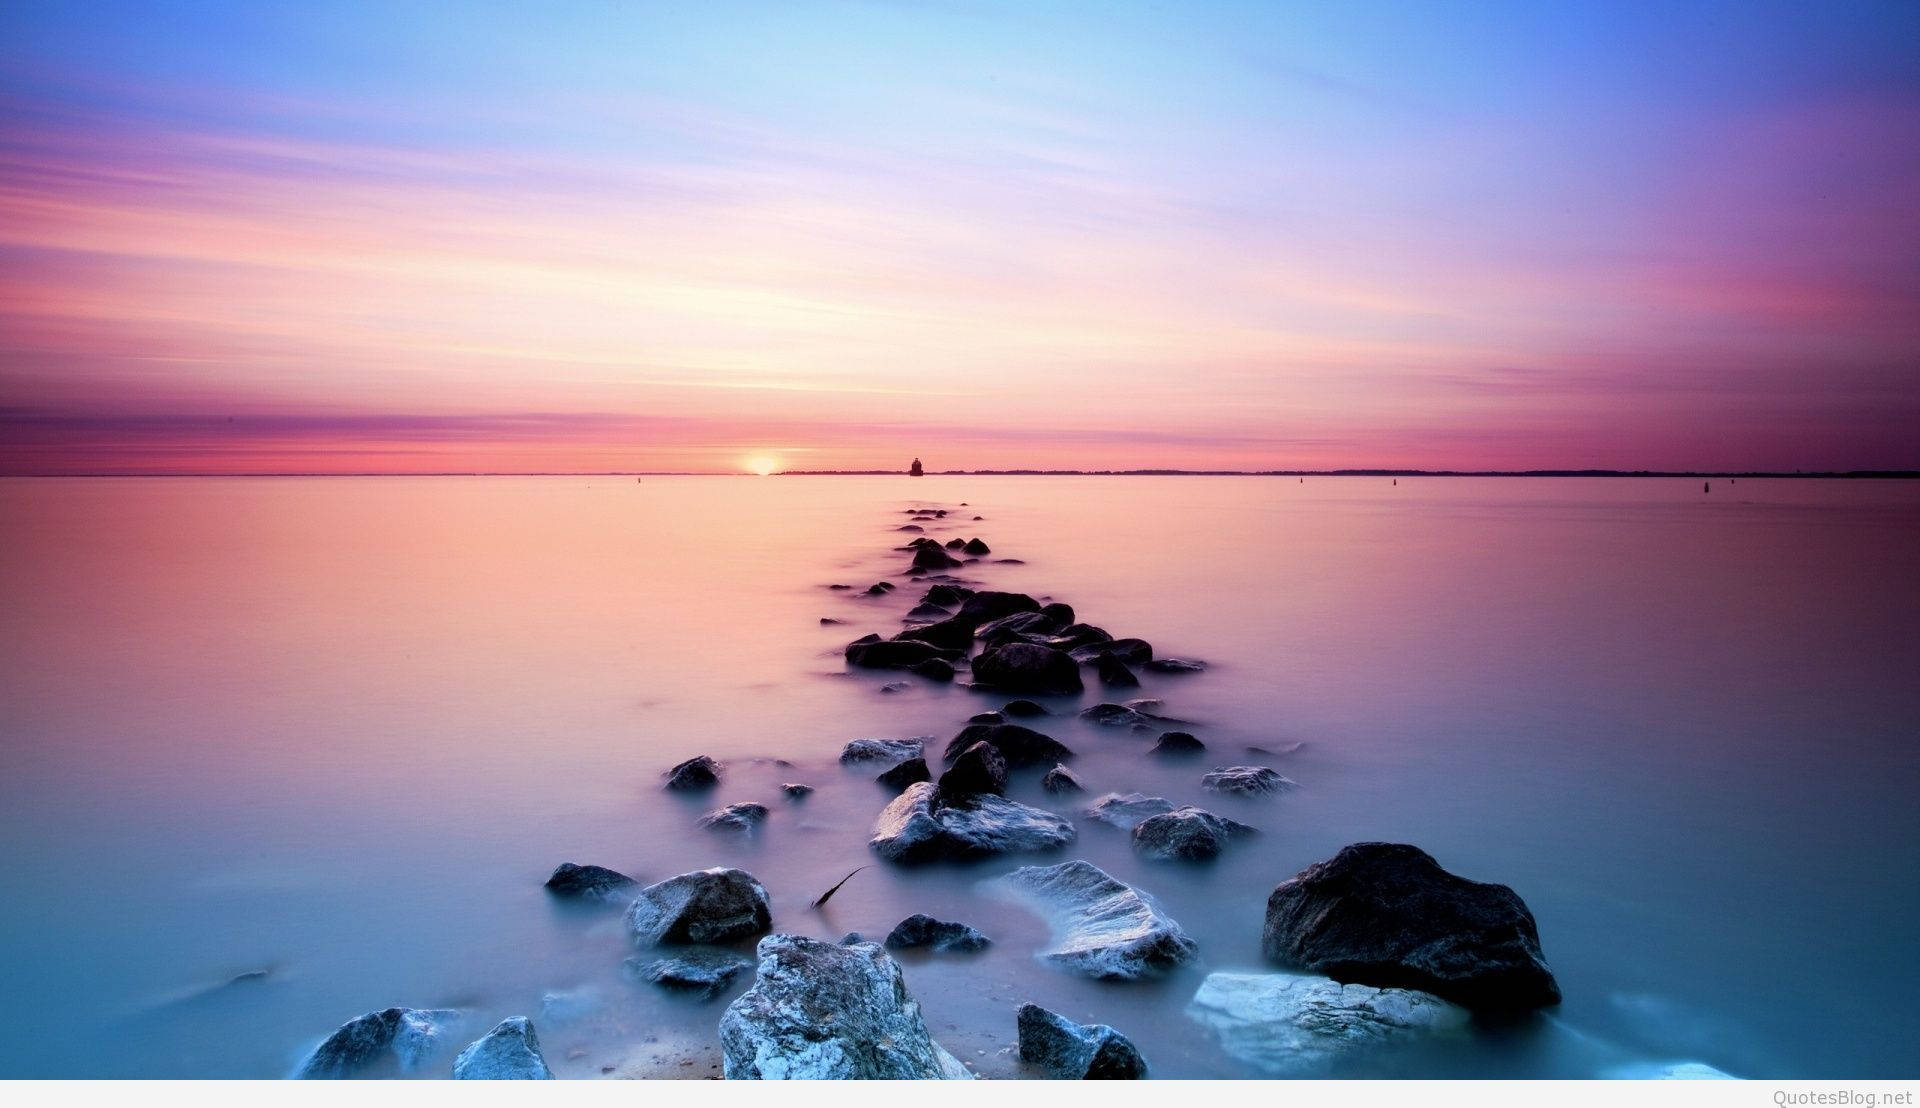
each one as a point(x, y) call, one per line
point(1841, 1098)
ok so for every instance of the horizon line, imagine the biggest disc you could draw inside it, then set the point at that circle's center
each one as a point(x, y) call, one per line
point(1824, 474)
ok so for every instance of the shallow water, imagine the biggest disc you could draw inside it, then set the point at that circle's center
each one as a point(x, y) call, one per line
point(340, 730)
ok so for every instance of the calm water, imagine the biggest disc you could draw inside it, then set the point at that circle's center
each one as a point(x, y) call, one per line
point(339, 730)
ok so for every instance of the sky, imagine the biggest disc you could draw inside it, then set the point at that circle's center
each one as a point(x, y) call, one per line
point(714, 236)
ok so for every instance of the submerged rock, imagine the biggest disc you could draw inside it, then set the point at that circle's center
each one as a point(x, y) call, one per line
point(955, 544)
point(1076, 1052)
point(1245, 781)
point(735, 817)
point(920, 825)
point(1282, 1023)
point(982, 607)
point(699, 772)
point(1060, 779)
point(1178, 742)
point(910, 772)
point(896, 686)
point(705, 973)
point(1186, 834)
point(1102, 928)
point(978, 769)
point(1116, 715)
point(986, 717)
point(1135, 651)
point(873, 652)
point(933, 557)
point(1023, 709)
point(946, 596)
point(705, 906)
point(880, 750)
point(1124, 810)
point(928, 613)
point(942, 935)
point(796, 791)
point(590, 883)
point(1114, 673)
point(977, 548)
point(1174, 665)
point(510, 1052)
point(1386, 914)
point(818, 1010)
point(1027, 667)
point(400, 1037)
point(933, 669)
point(1019, 746)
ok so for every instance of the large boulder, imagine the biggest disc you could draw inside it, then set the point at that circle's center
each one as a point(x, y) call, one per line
point(1076, 1052)
point(1101, 928)
point(1386, 914)
point(699, 772)
point(591, 883)
point(1125, 810)
point(881, 750)
point(948, 634)
point(396, 1039)
point(1245, 781)
point(873, 652)
point(705, 906)
point(1026, 667)
point(978, 769)
point(510, 1052)
point(1286, 1024)
point(1019, 746)
point(818, 1010)
point(1186, 834)
point(938, 934)
point(921, 825)
point(984, 607)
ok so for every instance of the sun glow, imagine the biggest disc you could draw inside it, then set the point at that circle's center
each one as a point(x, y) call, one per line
point(762, 464)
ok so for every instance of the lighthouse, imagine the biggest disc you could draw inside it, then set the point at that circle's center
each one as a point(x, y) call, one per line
point(915, 470)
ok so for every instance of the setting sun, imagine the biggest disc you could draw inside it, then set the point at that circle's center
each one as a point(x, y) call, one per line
point(762, 464)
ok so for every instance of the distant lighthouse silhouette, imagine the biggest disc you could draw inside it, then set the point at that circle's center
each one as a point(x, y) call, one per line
point(915, 470)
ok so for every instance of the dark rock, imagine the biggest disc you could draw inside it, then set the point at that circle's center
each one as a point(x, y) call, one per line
point(1124, 810)
point(1080, 634)
point(910, 772)
point(397, 1037)
point(977, 519)
point(932, 557)
point(1135, 651)
point(1387, 915)
point(796, 791)
point(942, 935)
point(510, 1052)
point(700, 772)
point(986, 717)
point(1076, 1052)
point(977, 548)
point(735, 817)
point(1060, 614)
point(879, 589)
point(1023, 709)
point(829, 621)
point(946, 596)
point(1245, 781)
point(1186, 834)
point(1101, 928)
point(881, 750)
point(1060, 779)
point(1019, 746)
point(948, 634)
point(1114, 673)
point(889, 653)
point(931, 613)
point(956, 544)
point(915, 527)
point(840, 586)
point(898, 686)
point(1012, 628)
point(1115, 715)
point(850, 938)
point(590, 883)
point(1025, 667)
point(1009, 561)
point(933, 669)
point(705, 906)
point(818, 1010)
point(920, 825)
point(1175, 665)
point(978, 769)
point(983, 607)
point(1178, 742)
point(706, 973)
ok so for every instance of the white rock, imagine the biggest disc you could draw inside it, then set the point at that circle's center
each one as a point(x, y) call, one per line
point(1101, 927)
point(1283, 1022)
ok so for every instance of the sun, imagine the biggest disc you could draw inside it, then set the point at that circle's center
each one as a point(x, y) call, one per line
point(762, 464)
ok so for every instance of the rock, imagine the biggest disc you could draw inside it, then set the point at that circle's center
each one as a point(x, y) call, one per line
point(1386, 914)
point(948, 634)
point(977, 548)
point(1009, 561)
point(1116, 715)
point(946, 596)
point(914, 527)
point(1023, 708)
point(1060, 614)
point(1124, 810)
point(1668, 1071)
point(920, 825)
point(956, 544)
point(1178, 743)
point(1060, 779)
point(1174, 665)
point(986, 717)
point(838, 587)
point(933, 557)
point(1027, 668)
point(896, 686)
point(978, 769)
point(1136, 651)
point(910, 772)
point(694, 773)
point(561, 1007)
point(400, 1037)
point(977, 519)
point(705, 906)
point(876, 653)
point(850, 938)
point(796, 791)
point(1019, 746)
point(705, 973)
point(1076, 1052)
point(942, 935)
point(1011, 628)
point(590, 883)
point(982, 607)
point(881, 750)
point(829, 621)
point(818, 1010)
point(879, 588)
point(1282, 1023)
point(933, 669)
point(735, 817)
point(1102, 928)
point(1245, 781)
point(928, 613)
point(1076, 635)
point(1186, 834)
point(1114, 673)
point(510, 1052)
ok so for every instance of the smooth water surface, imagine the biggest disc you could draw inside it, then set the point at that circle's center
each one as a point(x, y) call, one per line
point(339, 730)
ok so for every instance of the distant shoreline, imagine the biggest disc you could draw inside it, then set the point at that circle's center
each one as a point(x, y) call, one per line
point(1824, 475)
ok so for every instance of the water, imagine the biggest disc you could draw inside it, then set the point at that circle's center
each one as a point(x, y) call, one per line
point(339, 730)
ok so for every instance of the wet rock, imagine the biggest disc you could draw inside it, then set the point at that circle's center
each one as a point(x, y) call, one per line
point(1076, 1052)
point(881, 750)
point(1022, 709)
point(946, 596)
point(700, 772)
point(1102, 928)
point(874, 652)
point(397, 1037)
point(914, 527)
point(818, 1010)
point(839, 587)
point(1116, 715)
point(977, 548)
point(1076, 635)
point(930, 613)
point(705, 973)
point(1186, 834)
point(590, 883)
point(1009, 561)
point(1386, 914)
point(1019, 746)
point(1028, 668)
point(948, 634)
point(920, 825)
point(896, 686)
point(796, 791)
point(1282, 1023)
point(741, 818)
point(1012, 628)
point(1124, 810)
point(829, 621)
point(910, 772)
point(986, 717)
point(933, 669)
point(956, 544)
point(1114, 673)
point(984, 607)
point(933, 557)
point(1245, 781)
point(879, 588)
point(1174, 665)
point(1060, 779)
point(942, 935)
point(510, 1052)
point(978, 769)
point(1178, 743)
point(1135, 651)
point(977, 519)
point(705, 906)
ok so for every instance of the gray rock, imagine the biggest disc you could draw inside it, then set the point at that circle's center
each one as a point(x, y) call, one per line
point(920, 825)
point(796, 791)
point(1101, 927)
point(701, 772)
point(705, 906)
point(1077, 1052)
point(735, 817)
point(1124, 810)
point(1287, 1024)
point(942, 935)
point(898, 686)
point(591, 883)
point(1116, 715)
point(1060, 779)
point(1018, 746)
point(1245, 781)
point(706, 973)
point(1186, 834)
point(881, 750)
point(1027, 668)
point(400, 1038)
point(910, 772)
point(1175, 665)
point(822, 1011)
point(510, 1052)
